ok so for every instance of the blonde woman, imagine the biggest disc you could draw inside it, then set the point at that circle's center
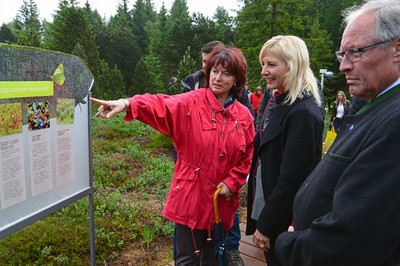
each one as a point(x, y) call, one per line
point(288, 143)
point(340, 108)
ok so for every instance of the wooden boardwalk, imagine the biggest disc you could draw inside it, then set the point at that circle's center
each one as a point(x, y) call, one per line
point(251, 254)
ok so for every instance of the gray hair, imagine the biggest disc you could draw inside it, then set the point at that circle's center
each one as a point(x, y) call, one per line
point(387, 13)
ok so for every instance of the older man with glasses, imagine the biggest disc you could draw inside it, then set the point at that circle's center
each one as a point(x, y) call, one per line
point(355, 54)
point(347, 210)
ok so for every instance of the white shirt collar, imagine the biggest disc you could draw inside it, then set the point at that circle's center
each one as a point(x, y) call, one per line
point(397, 82)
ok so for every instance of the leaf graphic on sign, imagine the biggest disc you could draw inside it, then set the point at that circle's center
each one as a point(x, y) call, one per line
point(58, 76)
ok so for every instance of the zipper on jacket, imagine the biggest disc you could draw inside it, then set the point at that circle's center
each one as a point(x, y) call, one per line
point(215, 121)
point(237, 126)
point(223, 128)
point(212, 118)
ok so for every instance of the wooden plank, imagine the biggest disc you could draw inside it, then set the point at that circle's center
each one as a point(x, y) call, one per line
point(251, 251)
point(242, 227)
point(248, 248)
point(247, 239)
point(248, 261)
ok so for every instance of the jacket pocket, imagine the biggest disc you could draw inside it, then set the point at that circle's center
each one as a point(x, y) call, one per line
point(315, 197)
point(206, 119)
point(184, 194)
point(329, 175)
point(185, 171)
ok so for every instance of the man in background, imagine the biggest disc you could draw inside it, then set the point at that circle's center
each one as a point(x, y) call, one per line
point(255, 99)
point(171, 84)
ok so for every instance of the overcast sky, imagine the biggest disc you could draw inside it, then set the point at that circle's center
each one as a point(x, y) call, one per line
point(107, 8)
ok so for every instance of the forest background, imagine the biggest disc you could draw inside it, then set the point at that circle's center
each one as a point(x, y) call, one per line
point(134, 52)
point(138, 50)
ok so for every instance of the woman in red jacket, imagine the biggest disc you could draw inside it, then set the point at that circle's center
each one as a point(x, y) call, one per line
point(213, 136)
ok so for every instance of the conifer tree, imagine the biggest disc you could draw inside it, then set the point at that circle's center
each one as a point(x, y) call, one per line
point(154, 66)
point(109, 84)
point(123, 49)
point(6, 35)
point(79, 51)
point(141, 80)
point(204, 30)
point(27, 24)
point(141, 16)
point(179, 36)
point(224, 24)
point(260, 20)
point(186, 67)
point(157, 47)
point(70, 26)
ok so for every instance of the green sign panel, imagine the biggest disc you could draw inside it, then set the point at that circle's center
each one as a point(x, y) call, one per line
point(20, 89)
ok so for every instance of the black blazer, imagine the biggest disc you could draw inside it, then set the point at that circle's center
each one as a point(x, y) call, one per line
point(289, 148)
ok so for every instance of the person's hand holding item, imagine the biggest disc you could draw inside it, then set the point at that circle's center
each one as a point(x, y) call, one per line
point(226, 191)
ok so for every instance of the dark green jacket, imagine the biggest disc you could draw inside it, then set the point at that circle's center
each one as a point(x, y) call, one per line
point(347, 211)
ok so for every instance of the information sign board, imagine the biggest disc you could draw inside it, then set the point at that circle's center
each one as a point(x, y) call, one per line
point(45, 134)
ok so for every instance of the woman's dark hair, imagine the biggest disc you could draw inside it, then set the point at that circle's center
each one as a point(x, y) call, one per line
point(235, 63)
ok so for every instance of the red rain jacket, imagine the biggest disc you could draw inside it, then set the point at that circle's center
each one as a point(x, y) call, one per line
point(213, 145)
point(255, 101)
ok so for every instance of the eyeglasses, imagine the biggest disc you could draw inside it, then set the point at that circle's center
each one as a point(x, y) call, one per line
point(355, 54)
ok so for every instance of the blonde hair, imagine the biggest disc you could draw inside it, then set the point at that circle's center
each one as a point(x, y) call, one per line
point(299, 80)
point(343, 100)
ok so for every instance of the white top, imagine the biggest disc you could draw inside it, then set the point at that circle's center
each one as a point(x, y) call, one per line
point(340, 110)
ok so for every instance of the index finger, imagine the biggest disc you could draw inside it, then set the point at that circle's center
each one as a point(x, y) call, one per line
point(101, 102)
